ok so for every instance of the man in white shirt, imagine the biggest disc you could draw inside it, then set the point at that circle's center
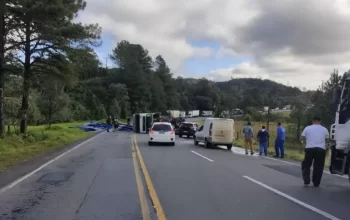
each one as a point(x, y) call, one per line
point(315, 136)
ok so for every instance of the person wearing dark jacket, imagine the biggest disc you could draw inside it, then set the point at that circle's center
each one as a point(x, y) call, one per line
point(263, 138)
point(109, 123)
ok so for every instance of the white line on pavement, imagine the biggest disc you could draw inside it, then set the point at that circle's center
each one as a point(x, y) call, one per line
point(202, 156)
point(14, 183)
point(325, 214)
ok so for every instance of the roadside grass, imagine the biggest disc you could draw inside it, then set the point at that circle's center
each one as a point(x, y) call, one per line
point(293, 149)
point(41, 139)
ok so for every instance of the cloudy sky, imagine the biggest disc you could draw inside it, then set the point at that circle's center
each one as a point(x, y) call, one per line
point(295, 42)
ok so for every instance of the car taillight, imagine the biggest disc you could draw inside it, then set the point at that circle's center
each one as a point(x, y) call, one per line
point(151, 131)
point(172, 131)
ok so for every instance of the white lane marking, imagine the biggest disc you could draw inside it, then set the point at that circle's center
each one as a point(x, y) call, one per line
point(202, 156)
point(325, 214)
point(19, 180)
point(290, 163)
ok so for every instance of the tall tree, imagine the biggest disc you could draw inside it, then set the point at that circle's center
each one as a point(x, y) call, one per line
point(2, 63)
point(135, 65)
point(44, 28)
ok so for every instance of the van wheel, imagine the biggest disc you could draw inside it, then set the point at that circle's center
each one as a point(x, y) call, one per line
point(229, 146)
point(207, 144)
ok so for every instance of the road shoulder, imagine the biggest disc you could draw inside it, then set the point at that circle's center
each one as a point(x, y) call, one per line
point(21, 169)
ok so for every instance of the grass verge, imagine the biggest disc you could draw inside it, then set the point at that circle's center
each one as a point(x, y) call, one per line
point(15, 149)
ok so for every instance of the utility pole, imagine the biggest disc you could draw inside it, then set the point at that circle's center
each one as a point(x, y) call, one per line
point(2, 69)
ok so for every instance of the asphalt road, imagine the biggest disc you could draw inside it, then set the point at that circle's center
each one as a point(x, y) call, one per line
point(97, 180)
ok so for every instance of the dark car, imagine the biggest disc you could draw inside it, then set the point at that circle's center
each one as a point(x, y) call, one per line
point(187, 129)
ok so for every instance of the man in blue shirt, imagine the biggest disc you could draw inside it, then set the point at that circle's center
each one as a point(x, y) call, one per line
point(279, 143)
point(263, 138)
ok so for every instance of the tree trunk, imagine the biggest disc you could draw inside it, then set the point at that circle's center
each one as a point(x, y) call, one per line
point(50, 111)
point(26, 82)
point(2, 63)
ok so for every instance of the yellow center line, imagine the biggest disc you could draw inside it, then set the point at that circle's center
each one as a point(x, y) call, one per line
point(153, 194)
point(142, 195)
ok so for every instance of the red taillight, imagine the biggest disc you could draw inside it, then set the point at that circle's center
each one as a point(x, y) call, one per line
point(151, 131)
point(172, 131)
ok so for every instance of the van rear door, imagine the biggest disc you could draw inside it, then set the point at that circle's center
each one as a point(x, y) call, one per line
point(222, 131)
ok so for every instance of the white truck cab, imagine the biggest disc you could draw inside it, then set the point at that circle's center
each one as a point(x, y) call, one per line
point(216, 131)
point(339, 154)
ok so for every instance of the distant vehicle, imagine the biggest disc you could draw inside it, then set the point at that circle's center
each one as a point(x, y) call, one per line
point(182, 114)
point(216, 131)
point(187, 129)
point(176, 122)
point(207, 113)
point(174, 113)
point(161, 132)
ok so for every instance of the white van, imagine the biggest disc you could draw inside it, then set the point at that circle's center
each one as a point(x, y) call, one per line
point(216, 131)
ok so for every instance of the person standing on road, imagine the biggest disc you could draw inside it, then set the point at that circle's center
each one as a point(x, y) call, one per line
point(248, 138)
point(115, 124)
point(109, 123)
point(315, 137)
point(263, 138)
point(279, 143)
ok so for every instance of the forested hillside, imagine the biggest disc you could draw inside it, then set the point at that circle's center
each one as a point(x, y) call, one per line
point(50, 73)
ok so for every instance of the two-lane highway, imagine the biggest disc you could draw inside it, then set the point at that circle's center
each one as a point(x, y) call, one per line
point(197, 183)
point(118, 176)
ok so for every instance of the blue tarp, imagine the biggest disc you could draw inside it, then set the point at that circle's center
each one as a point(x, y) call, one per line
point(125, 128)
point(97, 126)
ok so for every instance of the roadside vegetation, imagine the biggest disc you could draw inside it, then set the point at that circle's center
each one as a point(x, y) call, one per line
point(39, 140)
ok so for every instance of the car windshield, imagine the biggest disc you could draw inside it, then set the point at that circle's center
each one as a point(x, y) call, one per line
point(161, 127)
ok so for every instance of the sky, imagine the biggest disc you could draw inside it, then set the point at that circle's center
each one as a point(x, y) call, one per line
point(294, 42)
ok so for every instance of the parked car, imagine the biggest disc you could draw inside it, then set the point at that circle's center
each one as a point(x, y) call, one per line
point(187, 129)
point(216, 131)
point(161, 132)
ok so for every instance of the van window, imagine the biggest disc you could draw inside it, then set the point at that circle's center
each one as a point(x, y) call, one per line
point(210, 128)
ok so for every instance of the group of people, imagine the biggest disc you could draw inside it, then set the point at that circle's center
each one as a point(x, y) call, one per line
point(113, 123)
point(314, 137)
point(263, 139)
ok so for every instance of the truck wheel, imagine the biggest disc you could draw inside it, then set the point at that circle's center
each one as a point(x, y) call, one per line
point(229, 146)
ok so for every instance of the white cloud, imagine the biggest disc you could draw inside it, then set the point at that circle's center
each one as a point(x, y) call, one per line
point(291, 41)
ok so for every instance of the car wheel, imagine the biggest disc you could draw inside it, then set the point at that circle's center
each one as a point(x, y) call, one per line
point(150, 143)
point(229, 146)
point(195, 141)
point(180, 135)
point(173, 144)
